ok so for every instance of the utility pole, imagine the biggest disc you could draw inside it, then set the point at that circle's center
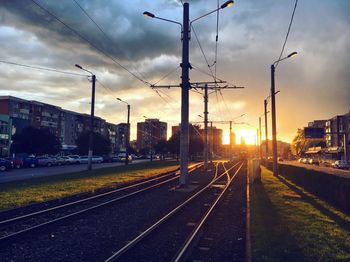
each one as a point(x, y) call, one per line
point(127, 137)
point(260, 148)
point(91, 142)
point(205, 127)
point(266, 133)
point(185, 86)
point(273, 113)
point(93, 80)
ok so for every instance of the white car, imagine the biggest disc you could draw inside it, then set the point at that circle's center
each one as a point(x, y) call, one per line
point(341, 164)
point(85, 159)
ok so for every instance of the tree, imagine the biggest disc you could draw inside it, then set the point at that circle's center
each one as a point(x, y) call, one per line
point(174, 144)
point(101, 144)
point(301, 144)
point(196, 140)
point(36, 141)
point(161, 148)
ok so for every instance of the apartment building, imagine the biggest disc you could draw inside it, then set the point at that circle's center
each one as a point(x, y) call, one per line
point(337, 135)
point(17, 113)
point(150, 132)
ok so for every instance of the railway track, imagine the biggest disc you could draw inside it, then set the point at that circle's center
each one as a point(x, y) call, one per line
point(170, 238)
point(15, 227)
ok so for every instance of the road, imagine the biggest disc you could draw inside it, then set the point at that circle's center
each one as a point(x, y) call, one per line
point(27, 173)
point(329, 170)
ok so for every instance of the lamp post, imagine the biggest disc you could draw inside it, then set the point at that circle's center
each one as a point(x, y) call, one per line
point(185, 84)
point(93, 80)
point(273, 112)
point(127, 142)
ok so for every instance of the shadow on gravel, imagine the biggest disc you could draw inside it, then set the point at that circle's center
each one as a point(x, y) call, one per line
point(323, 209)
point(271, 239)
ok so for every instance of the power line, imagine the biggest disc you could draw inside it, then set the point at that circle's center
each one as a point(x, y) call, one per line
point(205, 57)
point(92, 45)
point(290, 25)
point(99, 27)
point(196, 68)
point(167, 75)
point(42, 68)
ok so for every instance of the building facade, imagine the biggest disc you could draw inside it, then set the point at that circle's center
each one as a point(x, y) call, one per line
point(150, 132)
point(17, 114)
point(337, 136)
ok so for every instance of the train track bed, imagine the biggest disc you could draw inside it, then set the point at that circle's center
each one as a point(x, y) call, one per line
point(223, 235)
point(223, 226)
point(20, 211)
point(92, 235)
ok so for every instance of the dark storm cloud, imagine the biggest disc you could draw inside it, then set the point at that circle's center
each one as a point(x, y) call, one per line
point(125, 27)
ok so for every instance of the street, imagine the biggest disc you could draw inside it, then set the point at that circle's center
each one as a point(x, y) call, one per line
point(27, 173)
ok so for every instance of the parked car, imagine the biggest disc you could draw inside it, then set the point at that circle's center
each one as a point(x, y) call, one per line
point(62, 160)
point(16, 162)
point(305, 161)
point(46, 161)
point(30, 162)
point(122, 156)
point(313, 161)
point(341, 164)
point(85, 159)
point(5, 164)
point(74, 159)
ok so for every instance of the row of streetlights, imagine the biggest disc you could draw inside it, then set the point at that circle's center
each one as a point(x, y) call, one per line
point(127, 144)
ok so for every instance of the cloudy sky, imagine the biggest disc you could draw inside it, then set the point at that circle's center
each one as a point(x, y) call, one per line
point(313, 85)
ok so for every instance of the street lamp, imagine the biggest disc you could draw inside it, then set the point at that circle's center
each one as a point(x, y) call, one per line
point(127, 142)
point(273, 112)
point(185, 84)
point(93, 80)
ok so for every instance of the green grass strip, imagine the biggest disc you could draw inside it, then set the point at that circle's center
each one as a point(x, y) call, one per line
point(21, 193)
point(289, 224)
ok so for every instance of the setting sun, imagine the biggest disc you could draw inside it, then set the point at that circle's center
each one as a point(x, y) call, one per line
point(225, 138)
point(246, 135)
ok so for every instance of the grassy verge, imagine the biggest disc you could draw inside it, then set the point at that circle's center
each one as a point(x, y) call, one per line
point(16, 194)
point(288, 224)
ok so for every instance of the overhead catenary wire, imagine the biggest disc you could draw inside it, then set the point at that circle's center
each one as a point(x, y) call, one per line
point(111, 41)
point(289, 27)
point(167, 75)
point(91, 44)
point(205, 57)
point(99, 27)
point(43, 68)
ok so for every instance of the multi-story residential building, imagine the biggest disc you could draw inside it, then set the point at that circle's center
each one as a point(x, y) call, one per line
point(216, 135)
point(337, 136)
point(121, 137)
point(150, 132)
point(17, 113)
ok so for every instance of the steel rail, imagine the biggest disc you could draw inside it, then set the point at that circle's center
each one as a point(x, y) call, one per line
point(145, 233)
point(195, 232)
point(16, 234)
point(4, 222)
point(14, 219)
